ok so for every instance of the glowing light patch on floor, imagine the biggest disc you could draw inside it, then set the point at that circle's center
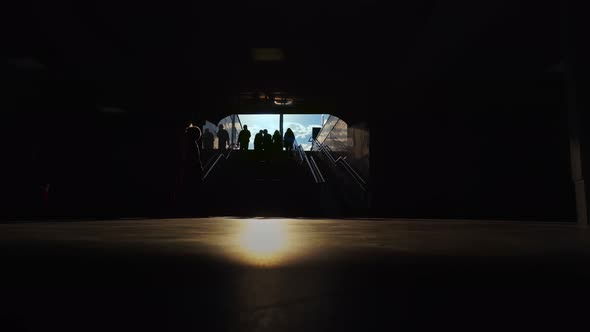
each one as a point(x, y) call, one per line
point(264, 242)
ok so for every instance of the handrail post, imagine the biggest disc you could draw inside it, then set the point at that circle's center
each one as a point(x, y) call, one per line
point(221, 155)
point(311, 169)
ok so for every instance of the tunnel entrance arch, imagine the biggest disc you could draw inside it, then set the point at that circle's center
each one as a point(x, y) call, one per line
point(332, 159)
point(342, 135)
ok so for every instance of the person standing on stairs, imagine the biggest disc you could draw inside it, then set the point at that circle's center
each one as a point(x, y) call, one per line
point(289, 141)
point(192, 151)
point(277, 142)
point(258, 141)
point(244, 138)
point(208, 139)
point(192, 172)
point(223, 137)
point(267, 143)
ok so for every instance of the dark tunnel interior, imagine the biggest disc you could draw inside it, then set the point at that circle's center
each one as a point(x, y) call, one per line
point(444, 185)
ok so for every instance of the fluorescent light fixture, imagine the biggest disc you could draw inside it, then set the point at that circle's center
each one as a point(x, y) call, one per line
point(280, 100)
point(284, 103)
point(267, 54)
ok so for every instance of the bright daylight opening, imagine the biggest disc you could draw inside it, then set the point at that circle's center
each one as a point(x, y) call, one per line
point(301, 124)
point(324, 128)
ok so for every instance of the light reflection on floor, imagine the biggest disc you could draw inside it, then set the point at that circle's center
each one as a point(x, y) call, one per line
point(237, 274)
point(264, 242)
point(276, 242)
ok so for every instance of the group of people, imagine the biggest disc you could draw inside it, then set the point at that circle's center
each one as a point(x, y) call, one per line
point(192, 171)
point(222, 136)
point(263, 141)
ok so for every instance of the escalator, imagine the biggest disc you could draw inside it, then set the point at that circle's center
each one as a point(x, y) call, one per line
point(311, 184)
point(345, 192)
point(249, 183)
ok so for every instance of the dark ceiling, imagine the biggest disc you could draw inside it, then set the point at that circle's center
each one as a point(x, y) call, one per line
point(140, 54)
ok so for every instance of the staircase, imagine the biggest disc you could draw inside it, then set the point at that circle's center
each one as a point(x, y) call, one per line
point(252, 184)
point(342, 196)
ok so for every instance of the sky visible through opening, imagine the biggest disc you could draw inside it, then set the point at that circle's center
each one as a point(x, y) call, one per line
point(301, 124)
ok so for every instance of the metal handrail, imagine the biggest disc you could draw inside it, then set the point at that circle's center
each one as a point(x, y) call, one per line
point(231, 148)
point(321, 176)
point(213, 166)
point(219, 156)
point(300, 152)
point(340, 160)
point(303, 157)
point(347, 164)
point(315, 172)
point(315, 177)
point(212, 158)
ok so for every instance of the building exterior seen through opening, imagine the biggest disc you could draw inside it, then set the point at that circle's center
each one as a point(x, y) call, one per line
point(329, 163)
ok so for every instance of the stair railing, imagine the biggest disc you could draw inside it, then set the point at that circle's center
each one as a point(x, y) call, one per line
point(340, 161)
point(312, 165)
point(217, 158)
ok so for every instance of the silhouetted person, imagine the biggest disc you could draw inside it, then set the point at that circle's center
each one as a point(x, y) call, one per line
point(244, 138)
point(223, 137)
point(267, 141)
point(277, 141)
point(193, 153)
point(193, 167)
point(289, 140)
point(208, 140)
point(258, 141)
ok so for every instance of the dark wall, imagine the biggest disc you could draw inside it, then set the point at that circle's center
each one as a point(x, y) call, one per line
point(463, 153)
point(96, 163)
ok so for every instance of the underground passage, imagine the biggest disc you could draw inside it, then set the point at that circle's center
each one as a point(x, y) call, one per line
point(293, 166)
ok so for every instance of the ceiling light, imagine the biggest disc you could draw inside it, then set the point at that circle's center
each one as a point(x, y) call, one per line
point(267, 54)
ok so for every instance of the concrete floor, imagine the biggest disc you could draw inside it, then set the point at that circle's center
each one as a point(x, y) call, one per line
point(231, 274)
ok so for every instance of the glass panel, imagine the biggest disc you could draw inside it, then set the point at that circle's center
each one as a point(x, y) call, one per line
point(231, 123)
point(302, 125)
point(337, 138)
point(328, 125)
point(351, 142)
point(212, 128)
point(359, 152)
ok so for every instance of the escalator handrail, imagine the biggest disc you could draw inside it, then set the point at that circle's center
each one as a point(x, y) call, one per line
point(324, 128)
point(211, 159)
point(315, 172)
point(219, 156)
point(320, 175)
point(340, 160)
point(347, 164)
